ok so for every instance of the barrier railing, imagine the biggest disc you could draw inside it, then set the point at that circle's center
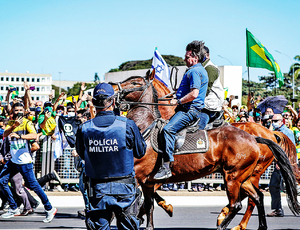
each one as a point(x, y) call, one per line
point(64, 166)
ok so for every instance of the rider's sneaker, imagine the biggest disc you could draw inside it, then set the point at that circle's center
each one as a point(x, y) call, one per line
point(163, 173)
point(50, 215)
point(11, 213)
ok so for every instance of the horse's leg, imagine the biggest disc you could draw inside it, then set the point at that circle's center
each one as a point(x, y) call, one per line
point(222, 215)
point(162, 203)
point(256, 197)
point(148, 205)
point(235, 205)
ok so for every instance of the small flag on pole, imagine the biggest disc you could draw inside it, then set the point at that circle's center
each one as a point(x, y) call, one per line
point(14, 92)
point(258, 56)
point(162, 72)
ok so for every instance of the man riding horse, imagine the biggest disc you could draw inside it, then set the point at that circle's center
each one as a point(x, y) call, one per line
point(190, 101)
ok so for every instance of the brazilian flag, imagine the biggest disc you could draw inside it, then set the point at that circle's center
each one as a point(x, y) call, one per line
point(259, 57)
point(14, 93)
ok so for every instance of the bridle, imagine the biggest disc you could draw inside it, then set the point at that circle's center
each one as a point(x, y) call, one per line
point(122, 93)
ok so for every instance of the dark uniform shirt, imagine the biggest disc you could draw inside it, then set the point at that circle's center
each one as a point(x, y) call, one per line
point(134, 139)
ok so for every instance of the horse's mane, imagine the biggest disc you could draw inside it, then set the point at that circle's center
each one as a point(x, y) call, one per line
point(132, 77)
point(155, 98)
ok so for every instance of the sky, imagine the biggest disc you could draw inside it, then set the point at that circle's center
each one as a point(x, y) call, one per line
point(80, 38)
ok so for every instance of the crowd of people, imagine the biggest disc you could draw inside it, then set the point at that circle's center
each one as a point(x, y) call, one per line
point(27, 126)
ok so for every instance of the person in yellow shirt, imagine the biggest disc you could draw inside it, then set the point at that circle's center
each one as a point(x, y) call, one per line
point(19, 131)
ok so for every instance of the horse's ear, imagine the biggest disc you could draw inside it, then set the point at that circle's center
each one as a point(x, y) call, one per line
point(150, 75)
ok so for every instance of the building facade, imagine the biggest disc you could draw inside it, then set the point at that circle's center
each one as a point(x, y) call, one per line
point(41, 82)
point(230, 76)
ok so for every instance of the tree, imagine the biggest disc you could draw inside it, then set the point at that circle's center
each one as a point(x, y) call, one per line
point(96, 78)
point(146, 64)
point(56, 88)
point(76, 88)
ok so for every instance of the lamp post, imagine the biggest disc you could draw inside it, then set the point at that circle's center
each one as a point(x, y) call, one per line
point(60, 82)
point(293, 74)
point(225, 59)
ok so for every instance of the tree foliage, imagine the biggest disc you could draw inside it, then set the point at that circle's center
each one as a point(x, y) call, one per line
point(75, 90)
point(56, 88)
point(146, 64)
point(96, 78)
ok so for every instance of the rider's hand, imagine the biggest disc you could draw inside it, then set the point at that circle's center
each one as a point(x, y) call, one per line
point(174, 102)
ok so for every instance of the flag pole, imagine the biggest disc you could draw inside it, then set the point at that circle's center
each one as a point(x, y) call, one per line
point(248, 80)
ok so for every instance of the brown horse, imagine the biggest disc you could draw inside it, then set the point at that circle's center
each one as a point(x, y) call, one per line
point(263, 163)
point(232, 151)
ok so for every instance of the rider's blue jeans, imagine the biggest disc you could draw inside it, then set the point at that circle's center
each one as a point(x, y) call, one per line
point(10, 169)
point(179, 121)
point(206, 115)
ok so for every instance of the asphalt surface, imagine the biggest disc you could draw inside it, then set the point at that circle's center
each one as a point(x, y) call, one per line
point(193, 211)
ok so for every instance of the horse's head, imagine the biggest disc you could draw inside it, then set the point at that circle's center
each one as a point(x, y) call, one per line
point(133, 88)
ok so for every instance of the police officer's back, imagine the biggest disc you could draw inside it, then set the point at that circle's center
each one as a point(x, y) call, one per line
point(108, 144)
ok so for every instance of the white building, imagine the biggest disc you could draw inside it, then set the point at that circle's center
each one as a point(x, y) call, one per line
point(41, 82)
point(231, 78)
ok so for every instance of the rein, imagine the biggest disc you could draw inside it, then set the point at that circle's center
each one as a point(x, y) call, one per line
point(123, 92)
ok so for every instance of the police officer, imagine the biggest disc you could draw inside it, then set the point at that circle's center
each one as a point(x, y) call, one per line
point(108, 144)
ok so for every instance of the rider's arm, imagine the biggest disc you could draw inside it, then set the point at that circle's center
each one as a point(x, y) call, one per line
point(189, 97)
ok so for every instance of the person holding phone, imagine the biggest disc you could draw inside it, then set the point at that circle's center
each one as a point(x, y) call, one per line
point(20, 130)
point(46, 119)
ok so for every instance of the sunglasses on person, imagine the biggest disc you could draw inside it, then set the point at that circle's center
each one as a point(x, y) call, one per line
point(275, 121)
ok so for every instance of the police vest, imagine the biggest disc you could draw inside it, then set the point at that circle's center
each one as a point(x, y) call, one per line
point(106, 155)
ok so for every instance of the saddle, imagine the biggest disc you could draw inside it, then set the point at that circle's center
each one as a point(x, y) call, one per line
point(188, 140)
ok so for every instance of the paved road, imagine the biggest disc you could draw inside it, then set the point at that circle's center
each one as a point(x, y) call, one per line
point(188, 217)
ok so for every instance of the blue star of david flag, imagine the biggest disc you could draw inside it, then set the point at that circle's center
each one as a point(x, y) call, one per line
point(162, 72)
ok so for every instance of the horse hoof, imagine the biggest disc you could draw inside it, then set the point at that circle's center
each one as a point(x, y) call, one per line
point(220, 219)
point(262, 228)
point(170, 210)
point(236, 228)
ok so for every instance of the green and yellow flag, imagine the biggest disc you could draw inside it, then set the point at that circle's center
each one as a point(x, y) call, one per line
point(259, 57)
point(14, 92)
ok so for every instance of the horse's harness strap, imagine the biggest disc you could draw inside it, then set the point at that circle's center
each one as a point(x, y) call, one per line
point(144, 103)
point(147, 131)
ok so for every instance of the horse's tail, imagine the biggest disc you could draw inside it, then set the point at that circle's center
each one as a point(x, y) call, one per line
point(288, 146)
point(286, 171)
